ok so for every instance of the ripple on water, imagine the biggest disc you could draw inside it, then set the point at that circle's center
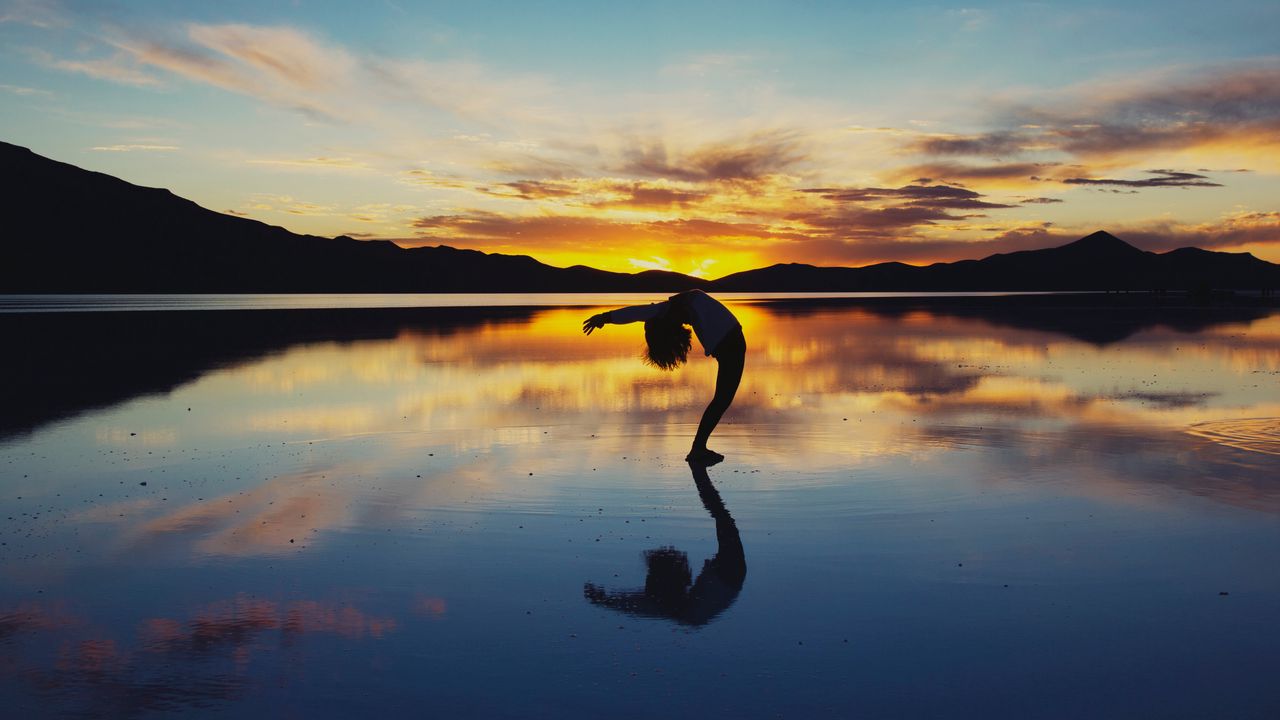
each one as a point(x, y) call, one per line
point(1261, 435)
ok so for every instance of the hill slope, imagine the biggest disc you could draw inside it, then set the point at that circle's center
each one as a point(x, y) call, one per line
point(1099, 261)
point(80, 231)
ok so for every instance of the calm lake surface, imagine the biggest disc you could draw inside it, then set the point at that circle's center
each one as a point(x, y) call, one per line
point(947, 511)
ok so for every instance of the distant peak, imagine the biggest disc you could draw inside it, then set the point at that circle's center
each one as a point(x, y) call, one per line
point(1101, 240)
point(1101, 236)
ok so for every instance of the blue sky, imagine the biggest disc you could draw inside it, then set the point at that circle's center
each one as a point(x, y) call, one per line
point(704, 137)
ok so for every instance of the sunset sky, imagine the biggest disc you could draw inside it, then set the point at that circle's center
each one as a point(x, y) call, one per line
point(700, 137)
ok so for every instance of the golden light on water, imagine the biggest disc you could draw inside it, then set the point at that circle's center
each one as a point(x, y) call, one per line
point(804, 368)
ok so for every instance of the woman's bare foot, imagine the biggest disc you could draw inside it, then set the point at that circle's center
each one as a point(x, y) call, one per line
point(704, 457)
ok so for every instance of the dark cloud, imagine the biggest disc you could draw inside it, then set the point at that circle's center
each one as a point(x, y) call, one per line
point(597, 193)
point(988, 145)
point(1239, 103)
point(872, 222)
point(1040, 201)
point(754, 159)
point(908, 192)
point(955, 172)
point(642, 197)
point(1163, 178)
point(915, 195)
point(865, 212)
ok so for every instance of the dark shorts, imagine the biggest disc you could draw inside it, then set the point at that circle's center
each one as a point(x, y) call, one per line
point(732, 346)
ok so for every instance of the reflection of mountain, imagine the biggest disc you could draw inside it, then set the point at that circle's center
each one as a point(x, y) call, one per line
point(1100, 261)
point(78, 231)
point(1093, 318)
point(670, 590)
point(60, 364)
point(111, 236)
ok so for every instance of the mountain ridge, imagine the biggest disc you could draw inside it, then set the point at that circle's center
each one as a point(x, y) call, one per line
point(114, 236)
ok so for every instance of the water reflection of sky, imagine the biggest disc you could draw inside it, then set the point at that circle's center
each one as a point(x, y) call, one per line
point(926, 502)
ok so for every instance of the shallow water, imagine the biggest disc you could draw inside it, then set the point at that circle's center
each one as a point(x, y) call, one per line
point(947, 513)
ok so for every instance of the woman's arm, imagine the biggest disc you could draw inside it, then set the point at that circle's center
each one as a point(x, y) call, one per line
point(622, 316)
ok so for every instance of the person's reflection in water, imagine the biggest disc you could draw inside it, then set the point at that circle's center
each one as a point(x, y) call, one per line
point(669, 588)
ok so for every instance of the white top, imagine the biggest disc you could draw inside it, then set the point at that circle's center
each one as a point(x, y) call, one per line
point(711, 321)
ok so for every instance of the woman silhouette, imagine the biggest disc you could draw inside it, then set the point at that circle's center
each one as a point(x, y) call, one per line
point(667, 347)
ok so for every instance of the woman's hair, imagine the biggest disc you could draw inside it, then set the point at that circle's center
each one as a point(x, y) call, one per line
point(667, 342)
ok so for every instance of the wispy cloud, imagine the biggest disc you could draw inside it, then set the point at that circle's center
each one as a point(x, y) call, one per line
point(319, 162)
point(707, 64)
point(32, 12)
point(119, 67)
point(25, 91)
point(278, 65)
point(297, 70)
point(135, 148)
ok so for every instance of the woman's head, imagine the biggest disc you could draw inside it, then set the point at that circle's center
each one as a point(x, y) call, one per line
point(667, 342)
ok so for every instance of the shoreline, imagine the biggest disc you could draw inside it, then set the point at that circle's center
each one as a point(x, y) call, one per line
point(467, 303)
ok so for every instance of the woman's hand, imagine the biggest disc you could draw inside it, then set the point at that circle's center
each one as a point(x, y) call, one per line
point(595, 321)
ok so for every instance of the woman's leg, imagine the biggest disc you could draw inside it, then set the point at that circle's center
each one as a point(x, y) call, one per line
point(728, 376)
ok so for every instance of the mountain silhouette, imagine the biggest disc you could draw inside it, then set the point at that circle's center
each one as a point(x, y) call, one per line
point(78, 231)
point(1099, 261)
point(81, 231)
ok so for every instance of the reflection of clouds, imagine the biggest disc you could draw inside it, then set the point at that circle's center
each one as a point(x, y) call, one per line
point(230, 621)
point(34, 616)
point(430, 606)
point(1027, 397)
point(262, 520)
point(287, 513)
point(1120, 463)
point(170, 664)
point(285, 374)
